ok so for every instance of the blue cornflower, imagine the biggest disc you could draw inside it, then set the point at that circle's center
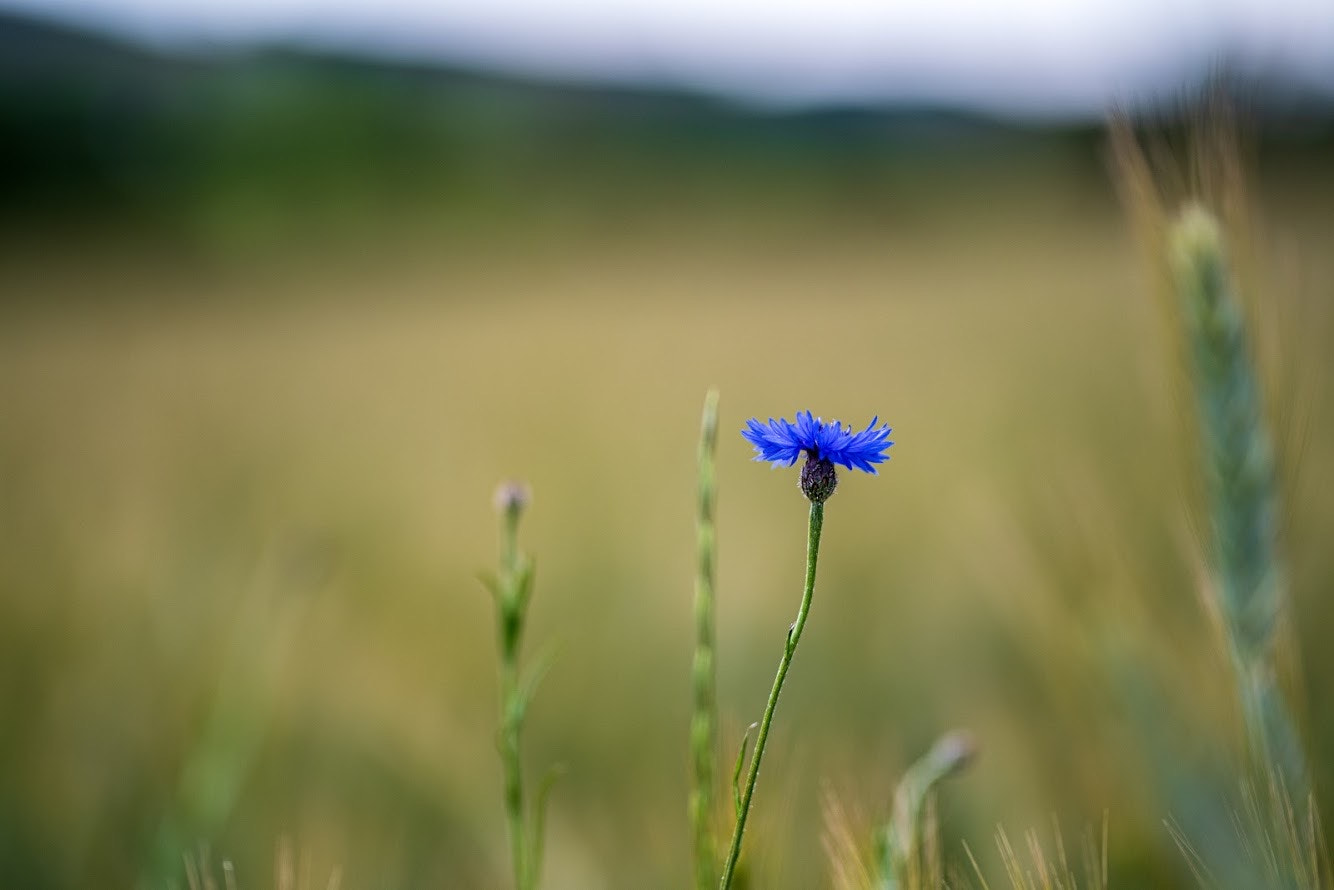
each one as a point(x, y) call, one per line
point(781, 442)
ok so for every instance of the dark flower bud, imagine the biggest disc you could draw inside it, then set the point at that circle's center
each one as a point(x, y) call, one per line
point(818, 479)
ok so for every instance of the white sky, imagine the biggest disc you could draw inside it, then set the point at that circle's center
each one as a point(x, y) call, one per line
point(1027, 56)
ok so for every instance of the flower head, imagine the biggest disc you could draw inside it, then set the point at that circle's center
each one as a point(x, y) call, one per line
point(511, 497)
point(781, 442)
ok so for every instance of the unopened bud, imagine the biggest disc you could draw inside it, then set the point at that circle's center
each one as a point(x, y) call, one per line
point(953, 751)
point(818, 479)
point(511, 497)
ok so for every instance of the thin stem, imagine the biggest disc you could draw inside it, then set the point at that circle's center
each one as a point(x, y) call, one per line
point(703, 726)
point(511, 717)
point(509, 543)
point(789, 647)
point(900, 849)
point(513, 766)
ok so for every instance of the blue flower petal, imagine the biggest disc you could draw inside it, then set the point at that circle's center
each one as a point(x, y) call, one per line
point(781, 442)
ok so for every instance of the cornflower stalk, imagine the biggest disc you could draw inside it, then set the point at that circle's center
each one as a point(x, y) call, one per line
point(789, 649)
point(782, 443)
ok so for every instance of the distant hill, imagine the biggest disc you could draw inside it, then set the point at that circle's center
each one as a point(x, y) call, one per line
point(88, 123)
point(87, 119)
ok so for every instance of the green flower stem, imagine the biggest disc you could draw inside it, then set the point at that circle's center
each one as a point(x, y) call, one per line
point(789, 648)
point(510, 621)
point(703, 727)
point(513, 766)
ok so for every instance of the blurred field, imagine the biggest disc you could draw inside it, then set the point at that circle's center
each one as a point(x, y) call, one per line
point(247, 485)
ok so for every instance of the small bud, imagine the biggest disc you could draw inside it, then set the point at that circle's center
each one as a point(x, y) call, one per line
point(953, 751)
point(511, 497)
point(818, 479)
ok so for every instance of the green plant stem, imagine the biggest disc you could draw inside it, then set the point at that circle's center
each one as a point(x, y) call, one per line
point(789, 648)
point(511, 717)
point(703, 726)
point(899, 842)
point(513, 765)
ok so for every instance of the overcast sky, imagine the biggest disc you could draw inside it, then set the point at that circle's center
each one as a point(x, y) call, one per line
point(1028, 56)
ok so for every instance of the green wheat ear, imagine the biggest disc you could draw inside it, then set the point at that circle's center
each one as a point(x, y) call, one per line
point(704, 722)
point(1241, 485)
